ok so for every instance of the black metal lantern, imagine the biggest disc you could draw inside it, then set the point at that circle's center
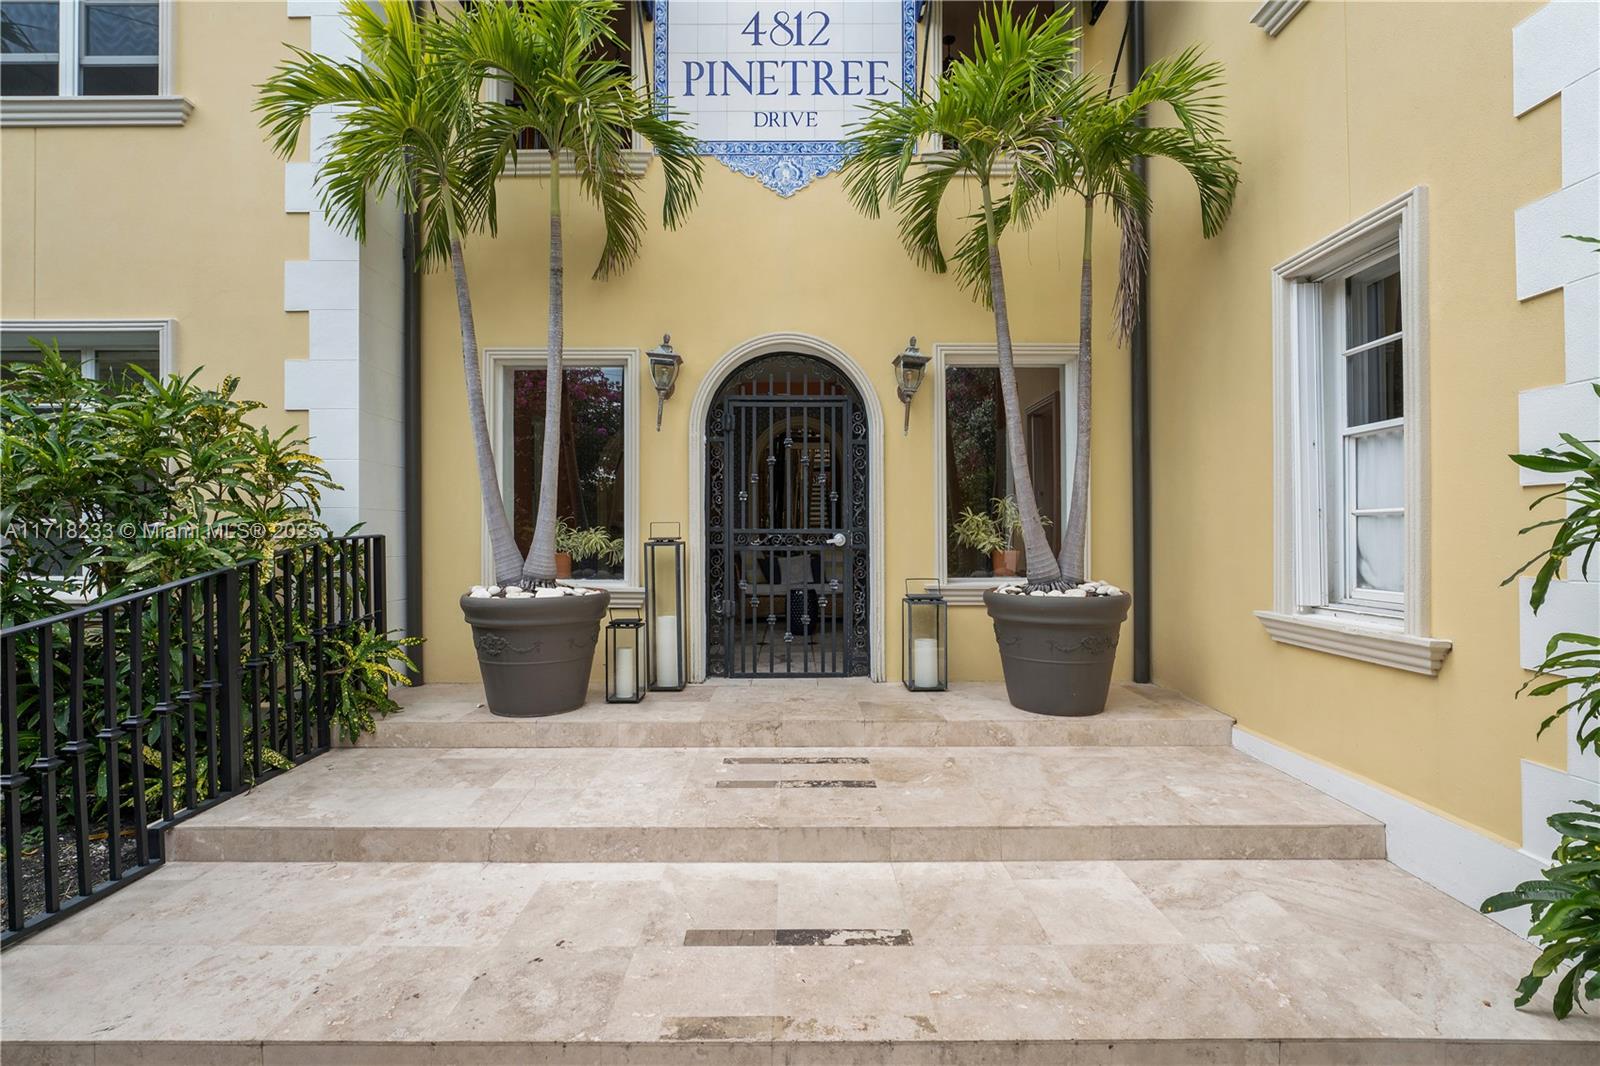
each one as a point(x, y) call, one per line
point(626, 677)
point(925, 633)
point(909, 366)
point(664, 364)
point(663, 597)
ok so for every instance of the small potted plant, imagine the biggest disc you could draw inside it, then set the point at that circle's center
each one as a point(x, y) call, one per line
point(993, 533)
point(595, 542)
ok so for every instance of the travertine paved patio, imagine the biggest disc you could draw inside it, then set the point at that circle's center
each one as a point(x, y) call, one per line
point(1123, 889)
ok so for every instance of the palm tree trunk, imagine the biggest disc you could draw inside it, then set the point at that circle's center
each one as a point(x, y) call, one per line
point(502, 542)
point(540, 566)
point(1072, 542)
point(1041, 565)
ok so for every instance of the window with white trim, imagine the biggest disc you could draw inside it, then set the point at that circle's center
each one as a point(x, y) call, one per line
point(82, 47)
point(597, 485)
point(104, 352)
point(973, 479)
point(1350, 369)
point(1364, 460)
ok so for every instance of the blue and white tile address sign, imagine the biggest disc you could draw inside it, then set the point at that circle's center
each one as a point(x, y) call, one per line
point(771, 87)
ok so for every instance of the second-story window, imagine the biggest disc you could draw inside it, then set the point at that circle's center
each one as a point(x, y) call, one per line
point(81, 47)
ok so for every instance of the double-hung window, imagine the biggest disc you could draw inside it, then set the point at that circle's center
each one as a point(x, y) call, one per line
point(1364, 361)
point(1350, 369)
point(87, 62)
point(81, 47)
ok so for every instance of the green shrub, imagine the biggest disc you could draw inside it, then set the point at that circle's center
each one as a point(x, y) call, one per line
point(110, 491)
point(1565, 912)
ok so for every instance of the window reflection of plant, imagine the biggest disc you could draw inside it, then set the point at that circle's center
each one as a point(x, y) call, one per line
point(592, 442)
point(975, 453)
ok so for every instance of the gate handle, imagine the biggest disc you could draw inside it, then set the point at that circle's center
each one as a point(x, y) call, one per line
point(837, 540)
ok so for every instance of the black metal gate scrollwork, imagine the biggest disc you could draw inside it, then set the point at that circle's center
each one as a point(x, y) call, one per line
point(787, 523)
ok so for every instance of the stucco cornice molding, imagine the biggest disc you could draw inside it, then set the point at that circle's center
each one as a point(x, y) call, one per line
point(95, 111)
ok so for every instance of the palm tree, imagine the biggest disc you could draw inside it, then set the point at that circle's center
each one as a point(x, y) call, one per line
point(1104, 138)
point(411, 129)
point(1003, 103)
point(585, 110)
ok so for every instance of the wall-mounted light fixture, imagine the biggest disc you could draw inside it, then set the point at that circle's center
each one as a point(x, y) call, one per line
point(664, 364)
point(909, 366)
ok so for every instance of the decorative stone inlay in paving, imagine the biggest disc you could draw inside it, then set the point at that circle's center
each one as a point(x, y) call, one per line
point(798, 783)
point(797, 760)
point(796, 938)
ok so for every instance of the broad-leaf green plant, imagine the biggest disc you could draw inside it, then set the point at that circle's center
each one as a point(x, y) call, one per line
point(1565, 909)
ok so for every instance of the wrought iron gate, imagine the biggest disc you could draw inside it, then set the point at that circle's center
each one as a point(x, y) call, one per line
point(786, 523)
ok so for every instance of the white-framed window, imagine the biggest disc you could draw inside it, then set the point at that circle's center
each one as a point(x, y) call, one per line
point(1350, 457)
point(532, 157)
point(949, 28)
point(105, 350)
point(598, 491)
point(87, 62)
point(972, 468)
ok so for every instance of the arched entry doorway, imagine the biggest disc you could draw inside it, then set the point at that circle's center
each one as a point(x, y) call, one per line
point(788, 589)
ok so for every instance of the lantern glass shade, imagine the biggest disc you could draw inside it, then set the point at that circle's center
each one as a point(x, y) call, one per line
point(911, 375)
point(909, 366)
point(664, 608)
point(664, 364)
point(626, 676)
point(925, 653)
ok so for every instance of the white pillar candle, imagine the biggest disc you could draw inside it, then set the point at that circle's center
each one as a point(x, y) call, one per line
point(666, 649)
point(925, 662)
point(624, 682)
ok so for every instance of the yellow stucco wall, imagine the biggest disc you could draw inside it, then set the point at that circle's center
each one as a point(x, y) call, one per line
point(750, 263)
point(183, 222)
point(1352, 105)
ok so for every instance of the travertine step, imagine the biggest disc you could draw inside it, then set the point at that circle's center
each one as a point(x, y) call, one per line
point(802, 713)
point(1047, 963)
point(779, 804)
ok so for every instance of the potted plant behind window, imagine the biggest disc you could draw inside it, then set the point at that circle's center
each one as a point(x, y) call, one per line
point(993, 533)
point(1014, 100)
point(413, 125)
point(595, 542)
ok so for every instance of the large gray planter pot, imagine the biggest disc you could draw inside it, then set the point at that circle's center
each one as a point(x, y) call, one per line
point(1057, 651)
point(535, 653)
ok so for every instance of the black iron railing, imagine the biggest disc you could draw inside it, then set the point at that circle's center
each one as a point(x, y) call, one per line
point(122, 718)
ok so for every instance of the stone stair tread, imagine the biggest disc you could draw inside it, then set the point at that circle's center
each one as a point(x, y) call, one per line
point(1172, 961)
point(751, 804)
point(802, 713)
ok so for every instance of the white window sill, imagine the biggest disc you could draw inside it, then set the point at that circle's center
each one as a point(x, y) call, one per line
point(1372, 642)
point(535, 162)
point(625, 596)
point(94, 110)
point(1003, 166)
point(969, 593)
